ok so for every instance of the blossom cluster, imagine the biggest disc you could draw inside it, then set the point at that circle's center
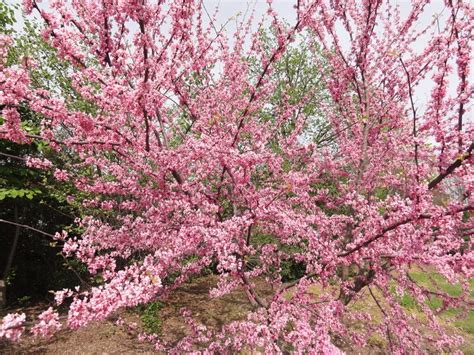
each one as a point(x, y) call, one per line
point(12, 326)
point(201, 150)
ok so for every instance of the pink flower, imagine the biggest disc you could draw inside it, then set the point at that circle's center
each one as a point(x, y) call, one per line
point(48, 325)
point(39, 163)
point(12, 326)
point(61, 175)
point(86, 123)
point(5, 42)
point(28, 6)
point(59, 296)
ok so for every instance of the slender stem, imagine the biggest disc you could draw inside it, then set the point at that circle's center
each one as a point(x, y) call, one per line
point(457, 163)
point(16, 236)
point(410, 93)
point(395, 226)
point(27, 227)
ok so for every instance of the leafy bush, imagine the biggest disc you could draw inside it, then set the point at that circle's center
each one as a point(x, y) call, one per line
point(150, 317)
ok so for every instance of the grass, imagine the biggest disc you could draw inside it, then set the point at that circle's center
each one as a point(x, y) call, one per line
point(165, 318)
point(432, 281)
point(150, 317)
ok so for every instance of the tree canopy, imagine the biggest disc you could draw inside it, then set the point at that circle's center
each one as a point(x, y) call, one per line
point(256, 152)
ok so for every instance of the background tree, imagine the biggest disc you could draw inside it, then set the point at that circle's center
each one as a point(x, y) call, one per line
point(33, 205)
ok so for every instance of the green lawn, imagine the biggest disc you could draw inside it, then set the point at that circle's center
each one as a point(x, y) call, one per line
point(432, 281)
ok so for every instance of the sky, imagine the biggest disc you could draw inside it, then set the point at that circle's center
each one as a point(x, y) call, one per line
point(284, 8)
point(232, 9)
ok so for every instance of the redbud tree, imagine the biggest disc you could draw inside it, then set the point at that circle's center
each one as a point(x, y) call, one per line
point(191, 160)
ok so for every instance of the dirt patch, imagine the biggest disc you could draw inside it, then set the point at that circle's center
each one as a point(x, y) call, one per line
point(97, 338)
point(107, 338)
point(214, 313)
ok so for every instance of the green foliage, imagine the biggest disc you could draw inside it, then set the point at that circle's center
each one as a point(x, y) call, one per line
point(7, 17)
point(298, 76)
point(18, 193)
point(39, 199)
point(425, 279)
point(290, 268)
point(150, 317)
point(24, 300)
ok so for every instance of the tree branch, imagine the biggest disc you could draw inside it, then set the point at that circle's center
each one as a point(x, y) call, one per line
point(395, 226)
point(27, 227)
point(456, 164)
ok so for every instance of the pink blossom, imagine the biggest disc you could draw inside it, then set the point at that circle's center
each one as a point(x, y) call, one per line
point(5, 41)
point(61, 175)
point(199, 148)
point(48, 324)
point(38, 163)
point(59, 296)
point(12, 326)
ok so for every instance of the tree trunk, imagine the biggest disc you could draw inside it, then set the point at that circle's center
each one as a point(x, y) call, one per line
point(2, 294)
point(11, 255)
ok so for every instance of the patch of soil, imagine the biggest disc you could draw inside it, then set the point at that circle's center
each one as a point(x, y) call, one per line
point(108, 338)
point(214, 313)
point(97, 338)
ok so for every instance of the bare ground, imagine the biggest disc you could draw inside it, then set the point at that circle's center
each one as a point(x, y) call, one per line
point(107, 338)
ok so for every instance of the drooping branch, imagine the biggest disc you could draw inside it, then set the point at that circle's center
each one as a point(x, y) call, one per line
point(26, 227)
point(450, 169)
point(395, 226)
point(413, 110)
point(16, 236)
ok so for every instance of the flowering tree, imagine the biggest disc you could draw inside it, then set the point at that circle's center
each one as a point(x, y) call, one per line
point(189, 148)
point(31, 199)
